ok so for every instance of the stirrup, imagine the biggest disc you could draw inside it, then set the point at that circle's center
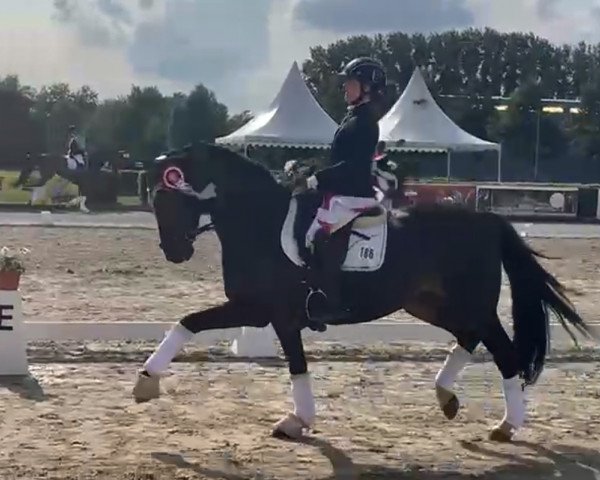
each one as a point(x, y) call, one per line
point(315, 325)
point(340, 313)
point(312, 291)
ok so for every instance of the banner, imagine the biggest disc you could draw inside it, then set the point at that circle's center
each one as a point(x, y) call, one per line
point(441, 193)
point(527, 201)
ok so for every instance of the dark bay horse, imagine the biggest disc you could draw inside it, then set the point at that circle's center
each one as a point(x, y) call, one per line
point(94, 182)
point(442, 264)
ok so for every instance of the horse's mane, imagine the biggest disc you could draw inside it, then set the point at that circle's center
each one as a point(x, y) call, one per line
point(250, 170)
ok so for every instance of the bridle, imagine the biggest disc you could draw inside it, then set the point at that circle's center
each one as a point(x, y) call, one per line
point(192, 235)
point(183, 187)
point(195, 233)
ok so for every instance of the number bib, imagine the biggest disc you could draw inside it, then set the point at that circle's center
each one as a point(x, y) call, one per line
point(366, 246)
point(366, 254)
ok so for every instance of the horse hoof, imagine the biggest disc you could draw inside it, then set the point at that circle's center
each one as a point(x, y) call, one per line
point(448, 402)
point(451, 408)
point(281, 435)
point(146, 388)
point(317, 327)
point(289, 427)
point(503, 433)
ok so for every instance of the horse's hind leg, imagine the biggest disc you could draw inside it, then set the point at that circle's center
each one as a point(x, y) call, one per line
point(497, 341)
point(456, 361)
point(432, 311)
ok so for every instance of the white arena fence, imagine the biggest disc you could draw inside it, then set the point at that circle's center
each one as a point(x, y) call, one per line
point(246, 342)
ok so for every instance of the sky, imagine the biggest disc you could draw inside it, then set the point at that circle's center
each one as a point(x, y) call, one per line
point(241, 49)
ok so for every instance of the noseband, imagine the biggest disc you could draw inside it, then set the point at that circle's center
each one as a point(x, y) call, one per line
point(195, 233)
point(185, 188)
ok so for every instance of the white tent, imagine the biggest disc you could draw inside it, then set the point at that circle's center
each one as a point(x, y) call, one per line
point(416, 122)
point(294, 119)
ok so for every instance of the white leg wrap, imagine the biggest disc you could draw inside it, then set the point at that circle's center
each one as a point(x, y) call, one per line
point(82, 205)
point(37, 194)
point(514, 396)
point(455, 362)
point(304, 400)
point(174, 341)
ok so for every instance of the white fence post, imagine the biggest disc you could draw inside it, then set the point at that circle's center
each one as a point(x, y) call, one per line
point(255, 343)
point(13, 344)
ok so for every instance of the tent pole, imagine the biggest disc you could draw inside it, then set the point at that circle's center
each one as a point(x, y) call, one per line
point(500, 164)
point(448, 165)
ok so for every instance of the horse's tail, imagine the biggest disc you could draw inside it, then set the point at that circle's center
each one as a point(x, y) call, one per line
point(534, 292)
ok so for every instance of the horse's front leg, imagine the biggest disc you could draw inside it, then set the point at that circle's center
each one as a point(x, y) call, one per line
point(303, 416)
point(228, 315)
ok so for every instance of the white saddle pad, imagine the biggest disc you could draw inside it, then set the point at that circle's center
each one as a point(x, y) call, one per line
point(366, 248)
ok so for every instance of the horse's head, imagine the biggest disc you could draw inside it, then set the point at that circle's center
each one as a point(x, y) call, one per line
point(181, 192)
point(185, 186)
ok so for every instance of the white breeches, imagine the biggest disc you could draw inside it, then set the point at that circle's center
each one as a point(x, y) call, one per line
point(75, 161)
point(337, 211)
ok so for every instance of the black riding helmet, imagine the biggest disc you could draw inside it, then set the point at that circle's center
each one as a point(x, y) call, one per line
point(368, 72)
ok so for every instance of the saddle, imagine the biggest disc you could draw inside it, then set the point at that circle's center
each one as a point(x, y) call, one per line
point(307, 205)
point(370, 218)
point(364, 237)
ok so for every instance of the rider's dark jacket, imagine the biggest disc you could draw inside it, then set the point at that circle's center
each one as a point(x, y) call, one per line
point(351, 157)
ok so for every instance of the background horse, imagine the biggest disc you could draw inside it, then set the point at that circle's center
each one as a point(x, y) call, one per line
point(96, 184)
point(442, 264)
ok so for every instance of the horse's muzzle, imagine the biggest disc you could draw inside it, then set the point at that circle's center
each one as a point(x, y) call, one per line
point(177, 252)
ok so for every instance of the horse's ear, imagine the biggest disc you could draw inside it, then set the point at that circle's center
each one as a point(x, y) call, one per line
point(161, 158)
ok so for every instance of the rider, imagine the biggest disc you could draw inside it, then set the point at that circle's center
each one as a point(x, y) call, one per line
point(347, 183)
point(75, 151)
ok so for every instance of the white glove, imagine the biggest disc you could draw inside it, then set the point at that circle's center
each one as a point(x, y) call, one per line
point(312, 182)
point(290, 166)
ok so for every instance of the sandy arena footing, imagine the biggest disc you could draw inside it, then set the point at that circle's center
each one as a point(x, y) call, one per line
point(378, 415)
point(376, 420)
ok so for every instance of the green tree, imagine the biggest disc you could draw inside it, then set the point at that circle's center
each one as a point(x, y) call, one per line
point(471, 112)
point(200, 116)
point(397, 58)
point(18, 132)
point(144, 123)
point(57, 106)
point(524, 122)
point(587, 124)
point(104, 128)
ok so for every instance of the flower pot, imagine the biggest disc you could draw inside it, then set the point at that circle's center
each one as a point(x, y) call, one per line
point(9, 280)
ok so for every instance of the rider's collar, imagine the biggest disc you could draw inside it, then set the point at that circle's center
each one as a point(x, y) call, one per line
point(360, 106)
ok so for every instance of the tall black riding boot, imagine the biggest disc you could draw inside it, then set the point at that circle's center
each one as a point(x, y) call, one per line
point(330, 252)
